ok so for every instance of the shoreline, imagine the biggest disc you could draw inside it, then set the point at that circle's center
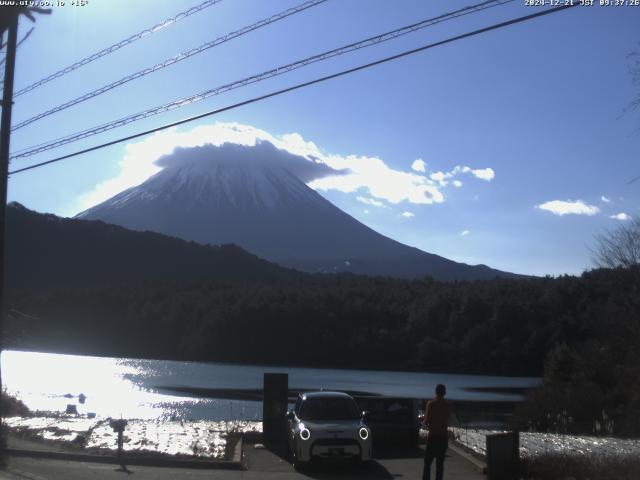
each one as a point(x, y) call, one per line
point(341, 367)
point(256, 394)
point(203, 441)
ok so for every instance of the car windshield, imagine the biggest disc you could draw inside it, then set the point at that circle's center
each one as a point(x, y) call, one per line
point(329, 409)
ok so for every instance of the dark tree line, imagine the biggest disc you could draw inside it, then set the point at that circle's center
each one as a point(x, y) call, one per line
point(498, 327)
point(592, 385)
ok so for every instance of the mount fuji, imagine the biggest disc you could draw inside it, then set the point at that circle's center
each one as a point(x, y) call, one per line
point(257, 198)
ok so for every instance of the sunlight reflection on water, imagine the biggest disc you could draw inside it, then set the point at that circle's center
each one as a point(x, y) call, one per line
point(49, 382)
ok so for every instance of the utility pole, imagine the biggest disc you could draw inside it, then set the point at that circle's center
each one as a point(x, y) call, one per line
point(5, 136)
point(8, 21)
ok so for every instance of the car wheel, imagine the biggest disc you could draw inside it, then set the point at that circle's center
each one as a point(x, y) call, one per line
point(357, 462)
point(297, 464)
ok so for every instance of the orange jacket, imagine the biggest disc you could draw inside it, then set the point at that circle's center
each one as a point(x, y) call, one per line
point(436, 417)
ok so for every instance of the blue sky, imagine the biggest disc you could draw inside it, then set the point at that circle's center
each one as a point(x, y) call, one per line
point(532, 116)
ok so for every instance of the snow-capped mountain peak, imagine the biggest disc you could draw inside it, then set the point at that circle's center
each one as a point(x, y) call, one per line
point(257, 197)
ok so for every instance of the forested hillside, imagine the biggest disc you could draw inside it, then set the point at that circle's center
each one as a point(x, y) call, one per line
point(46, 250)
point(500, 327)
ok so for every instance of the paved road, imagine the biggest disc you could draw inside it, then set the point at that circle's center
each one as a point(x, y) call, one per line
point(262, 464)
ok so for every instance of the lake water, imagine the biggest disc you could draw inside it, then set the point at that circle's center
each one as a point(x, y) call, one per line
point(142, 389)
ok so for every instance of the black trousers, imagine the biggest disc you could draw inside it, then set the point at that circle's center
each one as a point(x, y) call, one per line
point(436, 448)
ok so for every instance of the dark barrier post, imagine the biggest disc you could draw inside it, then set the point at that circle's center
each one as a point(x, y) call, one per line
point(118, 427)
point(503, 456)
point(274, 407)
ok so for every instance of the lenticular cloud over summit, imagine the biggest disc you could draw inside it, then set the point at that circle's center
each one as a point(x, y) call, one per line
point(302, 158)
point(261, 155)
point(146, 158)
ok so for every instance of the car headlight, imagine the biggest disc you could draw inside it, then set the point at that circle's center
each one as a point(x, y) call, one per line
point(364, 433)
point(305, 434)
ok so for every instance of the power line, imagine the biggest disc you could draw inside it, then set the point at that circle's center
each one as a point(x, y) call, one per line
point(26, 35)
point(258, 78)
point(119, 45)
point(304, 84)
point(175, 59)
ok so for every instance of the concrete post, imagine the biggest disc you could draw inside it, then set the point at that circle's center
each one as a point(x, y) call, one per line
point(503, 456)
point(274, 407)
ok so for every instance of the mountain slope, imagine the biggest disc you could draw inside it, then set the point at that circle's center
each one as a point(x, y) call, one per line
point(252, 197)
point(44, 251)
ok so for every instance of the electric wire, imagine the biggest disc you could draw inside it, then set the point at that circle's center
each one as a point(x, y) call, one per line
point(302, 85)
point(173, 60)
point(117, 46)
point(377, 39)
point(26, 35)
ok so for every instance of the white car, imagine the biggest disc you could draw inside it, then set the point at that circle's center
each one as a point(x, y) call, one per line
point(327, 425)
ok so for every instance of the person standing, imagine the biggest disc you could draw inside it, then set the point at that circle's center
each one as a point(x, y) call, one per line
point(436, 421)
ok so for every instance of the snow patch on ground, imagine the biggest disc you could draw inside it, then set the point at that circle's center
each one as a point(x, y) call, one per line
point(534, 444)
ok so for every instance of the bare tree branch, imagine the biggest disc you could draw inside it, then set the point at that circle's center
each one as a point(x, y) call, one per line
point(634, 71)
point(619, 247)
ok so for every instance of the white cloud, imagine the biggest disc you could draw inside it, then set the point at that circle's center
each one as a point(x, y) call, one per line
point(484, 174)
point(441, 177)
point(569, 207)
point(487, 174)
point(419, 165)
point(379, 180)
point(464, 233)
point(370, 201)
point(407, 214)
point(605, 199)
point(370, 177)
point(620, 216)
